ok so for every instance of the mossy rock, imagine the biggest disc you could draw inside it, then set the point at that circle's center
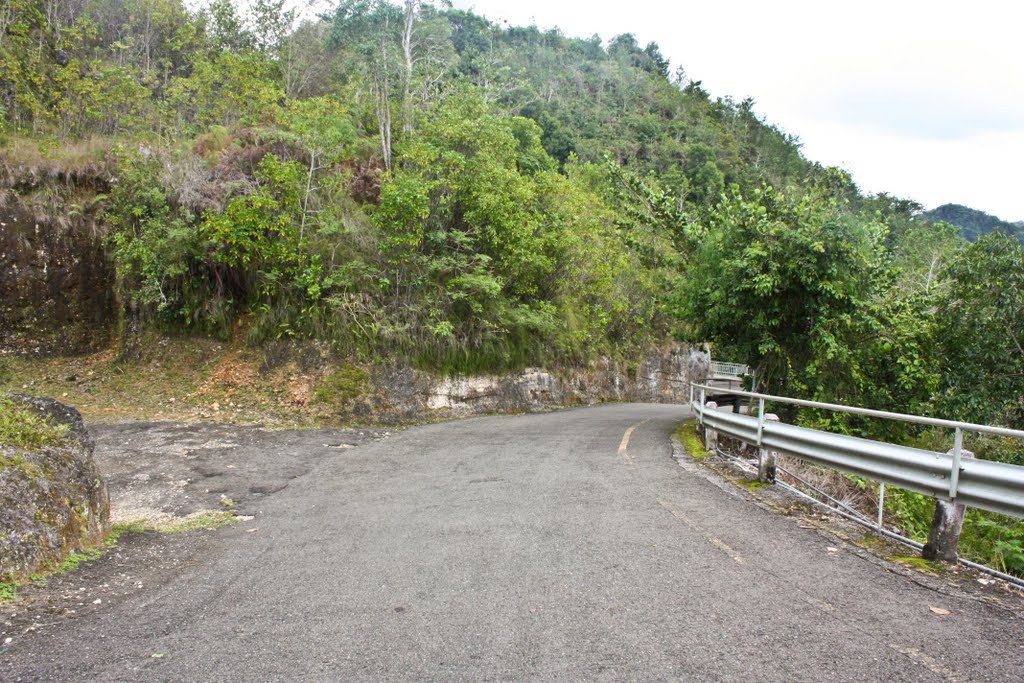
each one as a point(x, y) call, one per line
point(53, 500)
point(344, 387)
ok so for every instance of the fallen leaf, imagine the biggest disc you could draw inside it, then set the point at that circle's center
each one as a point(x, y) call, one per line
point(252, 531)
point(938, 610)
point(807, 526)
point(832, 550)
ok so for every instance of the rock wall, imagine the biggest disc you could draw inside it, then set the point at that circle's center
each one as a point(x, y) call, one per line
point(53, 502)
point(662, 375)
point(56, 287)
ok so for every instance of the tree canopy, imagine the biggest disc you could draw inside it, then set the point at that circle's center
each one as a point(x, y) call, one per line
point(413, 179)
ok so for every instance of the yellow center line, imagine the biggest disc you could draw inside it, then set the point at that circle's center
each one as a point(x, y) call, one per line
point(629, 432)
point(716, 542)
point(931, 664)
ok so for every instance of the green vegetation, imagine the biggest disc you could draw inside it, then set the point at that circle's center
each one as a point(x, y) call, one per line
point(687, 436)
point(916, 562)
point(203, 522)
point(415, 183)
point(208, 521)
point(400, 181)
point(21, 428)
point(343, 386)
point(9, 589)
point(973, 223)
point(987, 538)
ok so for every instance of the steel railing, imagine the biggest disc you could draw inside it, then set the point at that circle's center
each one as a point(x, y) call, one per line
point(994, 486)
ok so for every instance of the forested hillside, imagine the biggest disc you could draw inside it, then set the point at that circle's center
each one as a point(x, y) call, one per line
point(973, 223)
point(414, 184)
point(412, 181)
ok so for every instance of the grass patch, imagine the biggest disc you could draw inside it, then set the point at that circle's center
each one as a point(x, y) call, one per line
point(687, 435)
point(752, 484)
point(916, 562)
point(21, 428)
point(73, 560)
point(207, 521)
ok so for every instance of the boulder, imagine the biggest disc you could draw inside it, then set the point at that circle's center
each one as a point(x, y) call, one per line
point(53, 501)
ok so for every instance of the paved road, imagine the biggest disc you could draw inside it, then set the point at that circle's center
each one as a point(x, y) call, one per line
point(564, 546)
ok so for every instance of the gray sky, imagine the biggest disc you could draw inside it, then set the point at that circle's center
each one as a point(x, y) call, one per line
point(921, 99)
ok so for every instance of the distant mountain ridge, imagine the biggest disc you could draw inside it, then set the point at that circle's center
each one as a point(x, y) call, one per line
point(972, 222)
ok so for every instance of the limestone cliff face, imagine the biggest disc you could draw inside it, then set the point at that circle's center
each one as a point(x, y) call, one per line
point(53, 502)
point(661, 375)
point(56, 287)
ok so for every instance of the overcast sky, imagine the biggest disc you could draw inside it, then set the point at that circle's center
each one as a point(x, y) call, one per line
point(919, 99)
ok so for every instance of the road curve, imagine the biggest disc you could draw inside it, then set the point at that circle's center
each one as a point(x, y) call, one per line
point(562, 546)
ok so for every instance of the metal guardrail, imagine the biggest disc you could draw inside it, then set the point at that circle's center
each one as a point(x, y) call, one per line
point(997, 487)
point(721, 369)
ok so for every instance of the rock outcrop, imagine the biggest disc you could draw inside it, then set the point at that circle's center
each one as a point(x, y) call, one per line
point(662, 375)
point(56, 286)
point(53, 501)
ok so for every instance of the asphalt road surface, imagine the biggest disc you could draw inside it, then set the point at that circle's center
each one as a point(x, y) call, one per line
point(566, 546)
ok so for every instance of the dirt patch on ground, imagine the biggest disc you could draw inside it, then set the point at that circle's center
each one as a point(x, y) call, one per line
point(180, 379)
point(158, 472)
point(162, 474)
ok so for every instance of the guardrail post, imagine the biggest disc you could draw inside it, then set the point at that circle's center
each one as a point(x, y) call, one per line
point(947, 521)
point(710, 435)
point(881, 505)
point(765, 457)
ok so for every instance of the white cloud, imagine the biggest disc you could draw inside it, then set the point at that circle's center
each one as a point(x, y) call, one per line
point(918, 98)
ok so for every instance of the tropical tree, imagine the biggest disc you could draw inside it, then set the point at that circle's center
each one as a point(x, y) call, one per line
point(980, 332)
point(782, 281)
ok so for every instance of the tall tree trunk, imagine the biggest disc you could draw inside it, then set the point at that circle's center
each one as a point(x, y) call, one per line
point(410, 16)
point(383, 103)
point(380, 91)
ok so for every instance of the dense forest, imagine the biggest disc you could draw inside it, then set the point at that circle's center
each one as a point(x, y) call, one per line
point(973, 223)
point(415, 180)
point(412, 181)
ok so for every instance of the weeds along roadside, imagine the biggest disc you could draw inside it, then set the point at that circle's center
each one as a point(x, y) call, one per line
point(987, 538)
